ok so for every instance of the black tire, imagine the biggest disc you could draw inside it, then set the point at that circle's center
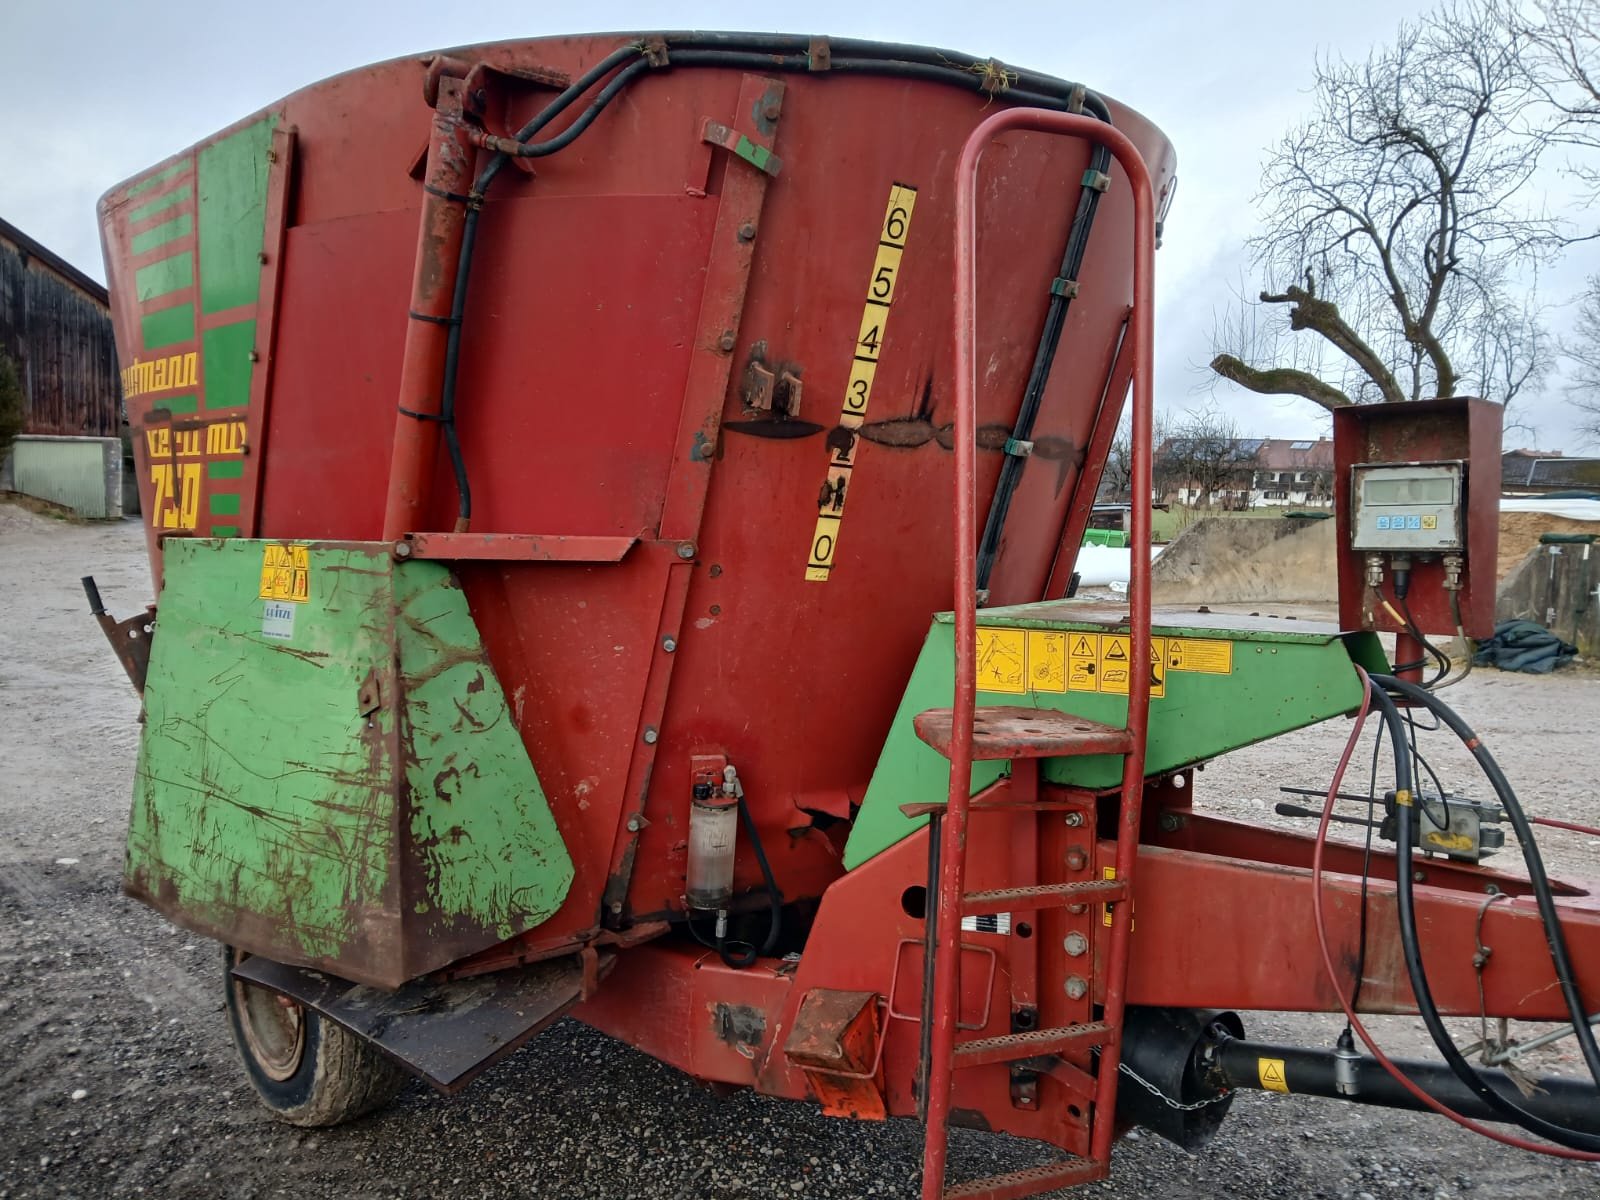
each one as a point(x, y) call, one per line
point(306, 1069)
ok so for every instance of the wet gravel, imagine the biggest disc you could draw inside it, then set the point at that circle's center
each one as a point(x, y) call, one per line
point(117, 1077)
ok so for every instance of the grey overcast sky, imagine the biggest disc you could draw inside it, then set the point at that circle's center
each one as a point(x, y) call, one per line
point(98, 89)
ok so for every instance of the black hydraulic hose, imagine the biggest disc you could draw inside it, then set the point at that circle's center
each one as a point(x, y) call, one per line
point(757, 52)
point(1043, 360)
point(1412, 947)
point(1537, 875)
point(748, 957)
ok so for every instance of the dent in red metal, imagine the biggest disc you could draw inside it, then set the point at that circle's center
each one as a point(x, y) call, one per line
point(446, 181)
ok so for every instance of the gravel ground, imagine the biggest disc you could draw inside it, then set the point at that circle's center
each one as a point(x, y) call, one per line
point(118, 1078)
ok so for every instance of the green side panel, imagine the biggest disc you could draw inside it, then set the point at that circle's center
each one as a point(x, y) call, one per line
point(178, 405)
point(164, 276)
point(160, 177)
point(225, 351)
point(159, 235)
point(160, 204)
point(167, 327)
point(479, 824)
point(1283, 676)
point(335, 782)
point(231, 186)
point(909, 771)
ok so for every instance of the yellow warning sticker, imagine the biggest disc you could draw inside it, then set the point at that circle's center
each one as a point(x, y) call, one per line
point(1272, 1076)
point(1038, 660)
point(1002, 660)
point(286, 573)
point(881, 284)
point(1206, 656)
point(1047, 661)
point(1083, 661)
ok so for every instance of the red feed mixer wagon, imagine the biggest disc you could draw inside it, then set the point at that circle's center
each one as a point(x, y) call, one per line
point(613, 503)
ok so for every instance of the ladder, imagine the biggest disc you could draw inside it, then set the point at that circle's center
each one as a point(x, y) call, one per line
point(1026, 737)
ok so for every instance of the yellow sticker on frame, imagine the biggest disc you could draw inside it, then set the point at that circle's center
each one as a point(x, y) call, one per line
point(285, 573)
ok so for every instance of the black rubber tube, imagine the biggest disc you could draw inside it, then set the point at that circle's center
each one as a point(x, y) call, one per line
point(1412, 948)
point(1537, 875)
point(775, 929)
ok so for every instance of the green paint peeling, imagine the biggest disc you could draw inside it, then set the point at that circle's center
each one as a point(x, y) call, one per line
point(231, 186)
point(180, 226)
point(1280, 681)
point(339, 782)
point(165, 276)
point(167, 327)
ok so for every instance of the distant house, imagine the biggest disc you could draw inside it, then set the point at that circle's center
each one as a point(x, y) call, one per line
point(55, 326)
point(1243, 473)
point(1536, 472)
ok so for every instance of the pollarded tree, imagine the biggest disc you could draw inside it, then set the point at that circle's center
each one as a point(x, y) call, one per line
point(1399, 232)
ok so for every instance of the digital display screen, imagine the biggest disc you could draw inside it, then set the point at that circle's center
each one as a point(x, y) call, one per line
point(1413, 489)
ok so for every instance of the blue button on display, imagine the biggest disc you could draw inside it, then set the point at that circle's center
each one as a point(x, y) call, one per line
point(1414, 521)
point(1383, 522)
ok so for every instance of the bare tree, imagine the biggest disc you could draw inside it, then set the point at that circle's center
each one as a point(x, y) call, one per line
point(1584, 351)
point(1395, 225)
point(1116, 480)
point(1562, 38)
point(1206, 455)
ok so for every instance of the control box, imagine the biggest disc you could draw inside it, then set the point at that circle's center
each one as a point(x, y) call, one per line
point(1417, 492)
point(1407, 506)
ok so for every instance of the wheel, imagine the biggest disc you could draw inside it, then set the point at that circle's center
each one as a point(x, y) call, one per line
point(306, 1069)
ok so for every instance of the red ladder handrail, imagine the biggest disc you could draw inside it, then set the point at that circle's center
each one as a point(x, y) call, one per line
point(954, 825)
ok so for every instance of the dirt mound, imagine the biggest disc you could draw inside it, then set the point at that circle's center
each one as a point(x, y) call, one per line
point(1519, 533)
point(1229, 560)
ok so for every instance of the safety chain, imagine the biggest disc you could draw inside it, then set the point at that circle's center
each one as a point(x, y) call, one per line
point(1166, 1099)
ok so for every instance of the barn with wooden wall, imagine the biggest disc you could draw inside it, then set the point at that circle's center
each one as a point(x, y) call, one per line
point(55, 326)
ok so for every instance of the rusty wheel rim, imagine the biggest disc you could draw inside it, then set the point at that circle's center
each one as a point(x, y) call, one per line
point(274, 1029)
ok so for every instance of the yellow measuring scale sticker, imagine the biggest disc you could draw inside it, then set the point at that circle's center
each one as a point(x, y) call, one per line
point(285, 573)
point(892, 236)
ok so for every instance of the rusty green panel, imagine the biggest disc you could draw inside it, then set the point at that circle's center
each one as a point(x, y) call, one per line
point(1281, 676)
point(334, 781)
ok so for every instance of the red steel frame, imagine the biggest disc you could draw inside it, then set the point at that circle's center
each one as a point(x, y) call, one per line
point(1140, 336)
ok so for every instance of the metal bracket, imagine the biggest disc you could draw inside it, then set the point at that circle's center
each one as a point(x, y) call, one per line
point(757, 155)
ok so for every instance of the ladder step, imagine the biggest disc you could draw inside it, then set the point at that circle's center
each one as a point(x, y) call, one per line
point(1010, 1047)
point(1030, 1182)
point(1045, 895)
point(1004, 731)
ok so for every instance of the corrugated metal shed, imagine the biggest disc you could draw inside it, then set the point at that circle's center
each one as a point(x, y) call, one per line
point(56, 326)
